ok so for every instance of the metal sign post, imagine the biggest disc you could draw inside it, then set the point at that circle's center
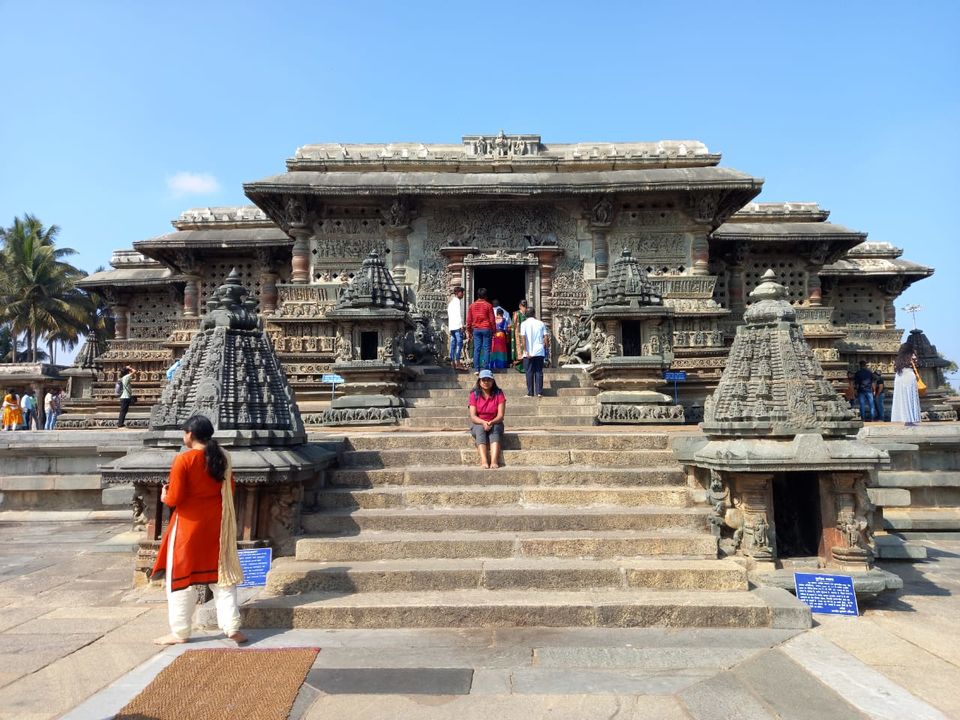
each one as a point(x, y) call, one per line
point(333, 380)
point(675, 376)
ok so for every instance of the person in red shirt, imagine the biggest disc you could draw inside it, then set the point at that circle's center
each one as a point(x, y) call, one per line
point(481, 323)
point(487, 407)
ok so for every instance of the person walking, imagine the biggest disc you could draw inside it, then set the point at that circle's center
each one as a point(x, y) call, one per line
point(906, 397)
point(487, 406)
point(28, 408)
point(455, 326)
point(499, 349)
point(199, 546)
point(480, 324)
point(535, 338)
point(879, 390)
point(863, 384)
point(516, 342)
point(51, 408)
point(127, 398)
point(12, 415)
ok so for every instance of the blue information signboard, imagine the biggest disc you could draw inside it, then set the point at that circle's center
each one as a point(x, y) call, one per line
point(255, 564)
point(675, 375)
point(331, 378)
point(827, 594)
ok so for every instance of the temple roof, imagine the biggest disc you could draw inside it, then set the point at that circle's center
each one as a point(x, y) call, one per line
point(372, 288)
point(780, 212)
point(876, 258)
point(132, 268)
point(489, 153)
point(231, 216)
point(789, 231)
point(217, 238)
point(626, 287)
point(390, 183)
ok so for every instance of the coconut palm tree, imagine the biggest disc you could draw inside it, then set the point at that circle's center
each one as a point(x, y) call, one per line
point(38, 295)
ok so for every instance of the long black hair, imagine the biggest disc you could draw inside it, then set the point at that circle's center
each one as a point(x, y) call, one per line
point(904, 358)
point(202, 430)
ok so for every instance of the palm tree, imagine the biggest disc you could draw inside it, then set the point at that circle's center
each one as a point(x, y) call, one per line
point(38, 296)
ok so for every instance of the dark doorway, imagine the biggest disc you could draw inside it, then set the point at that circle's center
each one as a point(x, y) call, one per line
point(368, 345)
point(632, 345)
point(796, 503)
point(505, 283)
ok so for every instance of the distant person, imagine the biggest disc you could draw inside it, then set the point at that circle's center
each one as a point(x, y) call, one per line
point(879, 390)
point(28, 408)
point(487, 406)
point(455, 326)
point(199, 546)
point(863, 384)
point(12, 414)
point(535, 341)
point(127, 397)
point(496, 306)
point(51, 408)
point(499, 349)
point(516, 342)
point(480, 324)
point(906, 397)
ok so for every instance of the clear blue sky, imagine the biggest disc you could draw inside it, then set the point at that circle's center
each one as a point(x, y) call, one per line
point(855, 105)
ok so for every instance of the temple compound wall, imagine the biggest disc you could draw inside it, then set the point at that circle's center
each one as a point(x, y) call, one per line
point(523, 219)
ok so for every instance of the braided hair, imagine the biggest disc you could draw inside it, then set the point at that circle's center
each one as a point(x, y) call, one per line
point(202, 430)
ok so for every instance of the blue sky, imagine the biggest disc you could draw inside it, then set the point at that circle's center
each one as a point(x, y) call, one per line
point(855, 105)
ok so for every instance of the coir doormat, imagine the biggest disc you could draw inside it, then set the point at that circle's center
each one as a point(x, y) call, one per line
point(224, 683)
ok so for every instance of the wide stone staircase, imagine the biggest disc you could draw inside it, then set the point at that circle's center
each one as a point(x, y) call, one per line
point(581, 527)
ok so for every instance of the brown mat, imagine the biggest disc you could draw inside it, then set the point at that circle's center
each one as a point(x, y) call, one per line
point(224, 683)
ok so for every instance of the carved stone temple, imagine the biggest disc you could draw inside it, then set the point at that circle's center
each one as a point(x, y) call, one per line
point(780, 463)
point(522, 218)
point(230, 374)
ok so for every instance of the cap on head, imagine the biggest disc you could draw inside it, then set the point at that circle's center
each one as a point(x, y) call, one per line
point(486, 374)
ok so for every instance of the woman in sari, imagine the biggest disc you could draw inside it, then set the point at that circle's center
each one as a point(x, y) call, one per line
point(12, 416)
point(499, 349)
point(516, 340)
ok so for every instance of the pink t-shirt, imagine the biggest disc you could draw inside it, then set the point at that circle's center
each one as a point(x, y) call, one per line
point(487, 406)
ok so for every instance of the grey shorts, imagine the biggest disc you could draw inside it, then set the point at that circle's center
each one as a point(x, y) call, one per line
point(484, 437)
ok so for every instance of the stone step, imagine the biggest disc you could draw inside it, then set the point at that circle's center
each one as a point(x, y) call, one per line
point(568, 475)
point(515, 403)
point(468, 456)
point(942, 519)
point(513, 413)
point(27, 483)
point(374, 545)
point(502, 495)
point(529, 422)
point(289, 576)
point(506, 519)
point(508, 381)
point(918, 479)
point(514, 440)
point(766, 607)
point(459, 392)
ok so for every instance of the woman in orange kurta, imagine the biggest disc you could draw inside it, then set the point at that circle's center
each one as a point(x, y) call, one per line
point(12, 416)
point(190, 551)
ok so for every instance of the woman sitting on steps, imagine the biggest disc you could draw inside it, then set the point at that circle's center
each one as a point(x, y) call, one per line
point(487, 406)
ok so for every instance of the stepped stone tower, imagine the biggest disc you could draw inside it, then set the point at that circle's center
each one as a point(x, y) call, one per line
point(231, 375)
point(632, 344)
point(784, 478)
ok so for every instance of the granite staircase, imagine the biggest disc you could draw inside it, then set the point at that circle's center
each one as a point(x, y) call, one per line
point(581, 527)
point(437, 398)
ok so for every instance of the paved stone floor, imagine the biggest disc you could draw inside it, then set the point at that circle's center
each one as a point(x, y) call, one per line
point(72, 645)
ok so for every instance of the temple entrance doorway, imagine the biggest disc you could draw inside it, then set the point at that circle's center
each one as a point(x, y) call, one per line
point(506, 283)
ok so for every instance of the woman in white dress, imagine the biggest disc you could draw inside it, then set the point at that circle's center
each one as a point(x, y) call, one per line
point(906, 397)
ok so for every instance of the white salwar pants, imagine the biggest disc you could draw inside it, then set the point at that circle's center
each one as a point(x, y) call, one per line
point(181, 604)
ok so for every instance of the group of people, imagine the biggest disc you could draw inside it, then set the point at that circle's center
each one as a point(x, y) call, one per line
point(20, 412)
point(500, 340)
point(867, 390)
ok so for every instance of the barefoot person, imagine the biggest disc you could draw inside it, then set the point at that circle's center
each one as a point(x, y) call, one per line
point(487, 407)
point(200, 544)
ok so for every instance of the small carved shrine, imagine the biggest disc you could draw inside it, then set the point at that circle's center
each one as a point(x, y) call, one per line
point(372, 325)
point(632, 344)
point(780, 469)
point(231, 375)
point(930, 365)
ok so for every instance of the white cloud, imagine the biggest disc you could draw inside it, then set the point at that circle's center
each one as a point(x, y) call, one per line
point(188, 183)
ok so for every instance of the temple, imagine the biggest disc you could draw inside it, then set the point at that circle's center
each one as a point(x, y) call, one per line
point(522, 218)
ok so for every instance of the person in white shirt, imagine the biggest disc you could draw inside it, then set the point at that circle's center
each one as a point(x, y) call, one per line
point(536, 339)
point(51, 408)
point(455, 326)
point(28, 404)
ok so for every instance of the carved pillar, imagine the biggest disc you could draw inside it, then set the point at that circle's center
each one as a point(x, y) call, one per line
point(455, 256)
point(547, 261)
point(736, 289)
point(846, 528)
point(600, 217)
point(700, 255)
point(755, 491)
point(121, 318)
point(814, 289)
point(300, 262)
point(399, 215)
point(191, 296)
point(268, 292)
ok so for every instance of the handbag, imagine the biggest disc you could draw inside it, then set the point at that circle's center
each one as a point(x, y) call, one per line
point(921, 385)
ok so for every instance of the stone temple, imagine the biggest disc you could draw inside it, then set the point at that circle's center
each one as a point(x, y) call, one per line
point(521, 218)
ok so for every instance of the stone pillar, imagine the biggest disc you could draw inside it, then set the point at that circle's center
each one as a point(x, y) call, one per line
point(846, 529)
point(736, 289)
point(268, 291)
point(814, 289)
point(547, 261)
point(455, 256)
point(889, 312)
point(191, 297)
point(121, 320)
point(700, 255)
point(758, 532)
point(601, 252)
point(399, 251)
point(300, 262)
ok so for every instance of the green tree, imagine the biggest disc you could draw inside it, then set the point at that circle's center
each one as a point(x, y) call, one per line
point(38, 294)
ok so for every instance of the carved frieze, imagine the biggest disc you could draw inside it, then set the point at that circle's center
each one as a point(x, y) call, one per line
point(304, 301)
point(870, 339)
point(653, 248)
point(685, 286)
point(506, 226)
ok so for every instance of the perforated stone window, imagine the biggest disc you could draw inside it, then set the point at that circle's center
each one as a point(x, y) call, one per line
point(721, 292)
point(152, 315)
point(216, 272)
point(790, 273)
point(858, 303)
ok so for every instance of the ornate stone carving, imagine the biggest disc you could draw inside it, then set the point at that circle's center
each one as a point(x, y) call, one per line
point(601, 214)
point(507, 226)
point(399, 213)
